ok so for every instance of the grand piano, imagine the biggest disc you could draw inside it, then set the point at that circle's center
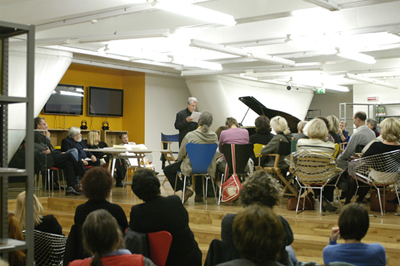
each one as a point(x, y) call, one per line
point(260, 109)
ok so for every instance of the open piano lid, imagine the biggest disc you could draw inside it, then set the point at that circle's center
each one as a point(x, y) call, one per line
point(260, 109)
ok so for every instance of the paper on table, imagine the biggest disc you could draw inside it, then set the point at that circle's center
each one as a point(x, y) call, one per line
point(195, 116)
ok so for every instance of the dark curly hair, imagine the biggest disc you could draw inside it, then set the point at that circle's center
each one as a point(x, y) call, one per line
point(145, 184)
point(97, 183)
point(261, 188)
point(262, 125)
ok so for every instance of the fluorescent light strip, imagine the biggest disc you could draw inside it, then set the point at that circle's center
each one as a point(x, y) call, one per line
point(125, 35)
point(88, 52)
point(196, 63)
point(325, 4)
point(185, 8)
point(241, 52)
point(369, 80)
point(363, 58)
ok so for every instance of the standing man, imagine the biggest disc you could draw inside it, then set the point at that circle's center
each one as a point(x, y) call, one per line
point(183, 121)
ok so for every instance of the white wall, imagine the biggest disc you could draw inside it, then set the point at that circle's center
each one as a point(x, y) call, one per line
point(164, 97)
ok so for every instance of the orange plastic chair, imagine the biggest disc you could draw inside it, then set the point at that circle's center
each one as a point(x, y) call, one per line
point(159, 244)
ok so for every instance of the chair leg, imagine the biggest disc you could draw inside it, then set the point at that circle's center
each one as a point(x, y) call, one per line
point(206, 190)
point(220, 190)
point(320, 200)
point(215, 194)
point(379, 198)
point(298, 199)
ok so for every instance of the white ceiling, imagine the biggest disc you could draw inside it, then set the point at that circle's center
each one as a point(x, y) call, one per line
point(286, 29)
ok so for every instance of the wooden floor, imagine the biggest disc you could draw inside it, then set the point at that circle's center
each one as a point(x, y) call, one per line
point(311, 229)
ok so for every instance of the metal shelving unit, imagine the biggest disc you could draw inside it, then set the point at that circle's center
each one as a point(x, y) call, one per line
point(8, 30)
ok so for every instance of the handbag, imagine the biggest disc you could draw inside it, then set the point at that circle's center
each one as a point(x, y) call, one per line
point(231, 187)
point(388, 207)
point(292, 202)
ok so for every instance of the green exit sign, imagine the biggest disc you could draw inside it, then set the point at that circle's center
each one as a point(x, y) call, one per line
point(321, 91)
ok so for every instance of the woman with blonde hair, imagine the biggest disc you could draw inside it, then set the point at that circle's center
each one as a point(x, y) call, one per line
point(334, 127)
point(93, 142)
point(47, 223)
point(16, 258)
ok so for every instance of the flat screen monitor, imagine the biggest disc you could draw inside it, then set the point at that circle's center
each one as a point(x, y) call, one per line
point(65, 100)
point(105, 102)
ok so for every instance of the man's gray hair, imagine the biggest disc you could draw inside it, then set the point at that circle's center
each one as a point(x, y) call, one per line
point(73, 131)
point(205, 121)
point(191, 99)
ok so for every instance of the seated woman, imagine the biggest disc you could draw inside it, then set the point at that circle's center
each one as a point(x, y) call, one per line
point(260, 188)
point(97, 184)
point(47, 224)
point(353, 226)
point(391, 135)
point(93, 142)
point(280, 126)
point(372, 123)
point(159, 213)
point(103, 238)
point(74, 140)
point(263, 131)
point(317, 133)
point(16, 258)
point(259, 236)
point(334, 127)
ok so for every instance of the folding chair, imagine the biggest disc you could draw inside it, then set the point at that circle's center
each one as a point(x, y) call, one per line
point(167, 155)
point(201, 156)
point(313, 170)
point(159, 244)
point(236, 164)
point(380, 170)
point(257, 152)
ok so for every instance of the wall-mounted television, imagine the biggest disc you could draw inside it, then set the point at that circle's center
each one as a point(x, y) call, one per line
point(105, 102)
point(65, 100)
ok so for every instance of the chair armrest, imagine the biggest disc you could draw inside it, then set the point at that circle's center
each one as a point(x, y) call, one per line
point(277, 156)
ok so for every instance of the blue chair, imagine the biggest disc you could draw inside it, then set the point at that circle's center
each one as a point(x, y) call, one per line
point(201, 156)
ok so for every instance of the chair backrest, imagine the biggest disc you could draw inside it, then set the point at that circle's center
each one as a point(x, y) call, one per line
point(257, 149)
point(167, 139)
point(293, 145)
point(200, 156)
point(242, 155)
point(337, 148)
point(285, 148)
point(159, 244)
point(49, 248)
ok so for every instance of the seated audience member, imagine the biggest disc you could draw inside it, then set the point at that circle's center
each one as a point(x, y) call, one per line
point(391, 136)
point(329, 137)
point(47, 224)
point(125, 139)
point(219, 130)
point(317, 131)
point(259, 236)
point(280, 126)
point(202, 135)
point(263, 133)
point(74, 140)
point(262, 189)
point(93, 142)
point(333, 127)
point(97, 184)
point(68, 160)
point(16, 258)
point(353, 226)
point(300, 133)
point(343, 133)
point(159, 213)
point(372, 124)
point(102, 238)
point(234, 134)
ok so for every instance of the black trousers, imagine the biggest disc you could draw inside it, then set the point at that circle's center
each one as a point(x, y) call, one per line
point(170, 172)
point(72, 168)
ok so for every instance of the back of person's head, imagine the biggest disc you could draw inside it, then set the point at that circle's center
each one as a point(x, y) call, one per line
point(353, 222)
point(101, 234)
point(301, 125)
point(37, 121)
point(20, 209)
point(97, 183)
point(279, 124)
point(261, 188)
point(16, 258)
point(230, 121)
point(361, 115)
point(390, 129)
point(92, 138)
point(333, 124)
point(219, 130)
point(205, 121)
point(262, 125)
point(258, 234)
point(325, 121)
point(73, 131)
point(145, 184)
point(316, 129)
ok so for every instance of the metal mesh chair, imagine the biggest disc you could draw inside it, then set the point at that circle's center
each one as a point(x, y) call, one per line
point(380, 170)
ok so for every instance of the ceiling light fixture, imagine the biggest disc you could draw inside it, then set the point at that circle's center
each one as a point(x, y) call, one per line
point(125, 36)
point(241, 52)
point(369, 80)
point(363, 58)
point(196, 63)
point(185, 8)
point(325, 4)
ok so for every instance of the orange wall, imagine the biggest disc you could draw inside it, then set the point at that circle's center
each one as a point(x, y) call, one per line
point(133, 84)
